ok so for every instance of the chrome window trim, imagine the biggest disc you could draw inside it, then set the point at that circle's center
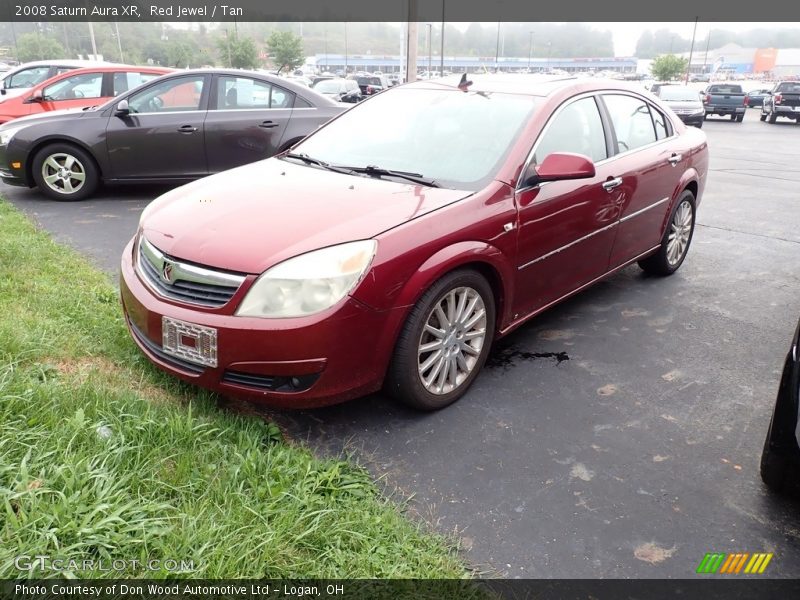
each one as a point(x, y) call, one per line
point(645, 209)
point(188, 272)
point(581, 96)
point(572, 243)
point(171, 112)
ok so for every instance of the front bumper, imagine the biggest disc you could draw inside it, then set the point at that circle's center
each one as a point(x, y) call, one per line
point(696, 120)
point(9, 174)
point(336, 355)
point(784, 438)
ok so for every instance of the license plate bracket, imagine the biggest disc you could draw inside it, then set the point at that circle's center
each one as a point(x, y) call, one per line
point(190, 342)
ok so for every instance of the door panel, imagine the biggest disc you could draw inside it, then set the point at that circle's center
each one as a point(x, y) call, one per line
point(566, 229)
point(648, 176)
point(162, 137)
point(246, 123)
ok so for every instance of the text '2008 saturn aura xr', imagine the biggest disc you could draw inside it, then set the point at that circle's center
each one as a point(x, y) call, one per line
point(350, 264)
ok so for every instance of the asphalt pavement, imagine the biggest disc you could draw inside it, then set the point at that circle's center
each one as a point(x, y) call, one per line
point(616, 435)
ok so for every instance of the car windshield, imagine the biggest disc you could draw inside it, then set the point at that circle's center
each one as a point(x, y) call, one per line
point(328, 86)
point(679, 94)
point(457, 139)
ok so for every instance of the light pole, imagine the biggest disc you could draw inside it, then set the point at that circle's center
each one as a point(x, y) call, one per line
point(705, 58)
point(119, 42)
point(430, 29)
point(345, 48)
point(530, 51)
point(497, 50)
point(549, 44)
point(691, 52)
point(441, 58)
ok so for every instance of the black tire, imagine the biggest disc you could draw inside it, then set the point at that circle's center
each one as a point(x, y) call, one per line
point(705, 117)
point(699, 124)
point(404, 381)
point(740, 118)
point(659, 263)
point(763, 115)
point(774, 468)
point(62, 155)
point(772, 118)
point(733, 117)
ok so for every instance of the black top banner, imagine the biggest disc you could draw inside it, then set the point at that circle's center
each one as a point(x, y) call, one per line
point(393, 10)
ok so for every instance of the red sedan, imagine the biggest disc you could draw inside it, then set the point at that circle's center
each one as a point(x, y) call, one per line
point(350, 264)
point(77, 88)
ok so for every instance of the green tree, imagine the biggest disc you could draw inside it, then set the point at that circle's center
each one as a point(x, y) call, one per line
point(668, 66)
point(238, 53)
point(285, 50)
point(32, 46)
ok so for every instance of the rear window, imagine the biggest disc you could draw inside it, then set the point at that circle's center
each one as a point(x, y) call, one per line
point(725, 89)
point(369, 81)
point(328, 87)
point(788, 88)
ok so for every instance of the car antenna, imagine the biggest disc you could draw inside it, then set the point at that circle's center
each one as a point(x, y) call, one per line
point(464, 84)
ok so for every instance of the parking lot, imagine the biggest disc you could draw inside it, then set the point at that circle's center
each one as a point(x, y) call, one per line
point(617, 435)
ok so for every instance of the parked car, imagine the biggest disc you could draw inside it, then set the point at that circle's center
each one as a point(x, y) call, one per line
point(782, 101)
point(755, 98)
point(22, 78)
point(371, 84)
point(176, 128)
point(340, 90)
point(684, 102)
point(780, 460)
point(353, 263)
point(78, 88)
point(725, 99)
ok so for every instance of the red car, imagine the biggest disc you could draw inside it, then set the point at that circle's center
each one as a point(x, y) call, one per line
point(350, 263)
point(77, 88)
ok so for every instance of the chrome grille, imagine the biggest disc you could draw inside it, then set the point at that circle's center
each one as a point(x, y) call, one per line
point(183, 281)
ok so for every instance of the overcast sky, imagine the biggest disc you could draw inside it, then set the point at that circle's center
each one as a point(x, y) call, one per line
point(627, 34)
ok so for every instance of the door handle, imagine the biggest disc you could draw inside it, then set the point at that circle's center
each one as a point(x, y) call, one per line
point(268, 124)
point(610, 184)
point(187, 129)
point(675, 159)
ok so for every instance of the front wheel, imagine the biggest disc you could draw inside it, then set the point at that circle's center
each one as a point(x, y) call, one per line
point(763, 115)
point(444, 342)
point(772, 118)
point(677, 238)
point(65, 172)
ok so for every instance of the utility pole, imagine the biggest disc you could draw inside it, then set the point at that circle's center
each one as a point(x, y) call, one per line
point(705, 58)
point(91, 36)
point(497, 50)
point(119, 42)
point(411, 42)
point(691, 51)
point(345, 48)
point(430, 39)
point(441, 70)
point(530, 51)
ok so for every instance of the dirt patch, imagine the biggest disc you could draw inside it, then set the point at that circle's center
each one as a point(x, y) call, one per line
point(652, 553)
point(80, 370)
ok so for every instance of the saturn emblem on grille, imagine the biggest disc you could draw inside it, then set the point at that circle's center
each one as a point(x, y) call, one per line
point(166, 271)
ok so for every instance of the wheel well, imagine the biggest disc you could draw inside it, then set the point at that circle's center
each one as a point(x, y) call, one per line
point(692, 187)
point(495, 282)
point(44, 144)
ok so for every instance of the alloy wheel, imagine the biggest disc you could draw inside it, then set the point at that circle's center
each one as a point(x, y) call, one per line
point(680, 231)
point(63, 173)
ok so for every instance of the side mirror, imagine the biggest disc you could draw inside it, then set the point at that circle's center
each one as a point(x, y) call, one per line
point(559, 166)
point(37, 96)
point(122, 108)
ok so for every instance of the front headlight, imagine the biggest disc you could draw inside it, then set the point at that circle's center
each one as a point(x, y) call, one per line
point(308, 283)
point(7, 134)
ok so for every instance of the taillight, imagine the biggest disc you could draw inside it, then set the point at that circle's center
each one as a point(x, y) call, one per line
point(747, 100)
point(370, 89)
point(778, 98)
point(707, 99)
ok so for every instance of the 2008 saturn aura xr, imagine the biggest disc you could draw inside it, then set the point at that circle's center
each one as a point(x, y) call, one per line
point(354, 263)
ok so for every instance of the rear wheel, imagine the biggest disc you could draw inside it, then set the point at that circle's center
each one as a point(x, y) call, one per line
point(733, 117)
point(444, 342)
point(676, 240)
point(65, 172)
point(740, 118)
point(772, 118)
point(775, 469)
point(763, 115)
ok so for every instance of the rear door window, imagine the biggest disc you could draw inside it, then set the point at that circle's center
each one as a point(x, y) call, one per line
point(631, 120)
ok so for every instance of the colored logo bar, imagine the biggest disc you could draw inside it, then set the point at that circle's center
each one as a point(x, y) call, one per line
point(734, 564)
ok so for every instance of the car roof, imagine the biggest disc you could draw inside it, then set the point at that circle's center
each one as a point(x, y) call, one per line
point(530, 85)
point(67, 62)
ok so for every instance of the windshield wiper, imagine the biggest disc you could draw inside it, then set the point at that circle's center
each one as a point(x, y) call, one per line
point(379, 171)
point(317, 162)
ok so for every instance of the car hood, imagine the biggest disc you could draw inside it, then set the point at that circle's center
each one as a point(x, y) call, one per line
point(252, 217)
point(673, 104)
point(52, 115)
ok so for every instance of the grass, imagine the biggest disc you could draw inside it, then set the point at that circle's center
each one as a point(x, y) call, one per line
point(102, 457)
